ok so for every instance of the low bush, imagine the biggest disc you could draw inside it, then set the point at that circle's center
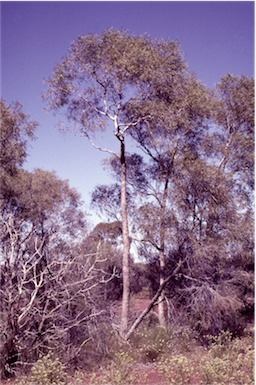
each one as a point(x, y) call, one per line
point(119, 372)
point(228, 362)
point(224, 361)
point(177, 370)
point(151, 343)
point(184, 340)
point(219, 344)
point(48, 371)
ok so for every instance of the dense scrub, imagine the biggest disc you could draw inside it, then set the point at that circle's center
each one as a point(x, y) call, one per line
point(155, 356)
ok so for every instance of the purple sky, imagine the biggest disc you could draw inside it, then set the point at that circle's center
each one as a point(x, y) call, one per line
point(216, 38)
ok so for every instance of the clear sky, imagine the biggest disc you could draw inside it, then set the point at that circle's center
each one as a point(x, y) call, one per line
point(216, 38)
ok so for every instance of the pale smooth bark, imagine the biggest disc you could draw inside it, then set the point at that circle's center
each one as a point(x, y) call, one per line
point(126, 244)
point(161, 306)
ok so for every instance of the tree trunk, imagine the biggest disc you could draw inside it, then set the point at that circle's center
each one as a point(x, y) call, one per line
point(126, 242)
point(161, 306)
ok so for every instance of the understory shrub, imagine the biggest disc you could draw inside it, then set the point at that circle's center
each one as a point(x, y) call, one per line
point(219, 344)
point(225, 361)
point(228, 362)
point(48, 371)
point(151, 343)
point(176, 369)
point(119, 372)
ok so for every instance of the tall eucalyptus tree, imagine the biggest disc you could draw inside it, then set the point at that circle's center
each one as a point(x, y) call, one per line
point(112, 81)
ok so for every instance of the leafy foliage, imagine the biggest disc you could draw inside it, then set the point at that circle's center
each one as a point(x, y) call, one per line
point(228, 362)
point(48, 371)
point(16, 128)
point(176, 370)
point(118, 372)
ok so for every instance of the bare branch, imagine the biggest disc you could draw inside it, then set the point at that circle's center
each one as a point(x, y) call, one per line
point(100, 148)
point(153, 302)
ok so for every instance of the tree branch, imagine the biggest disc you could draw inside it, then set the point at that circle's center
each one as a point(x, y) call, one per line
point(154, 300)
point(100, 148)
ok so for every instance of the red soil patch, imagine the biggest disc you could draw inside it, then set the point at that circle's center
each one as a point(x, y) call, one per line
point(153, 377)
point(146, 375)
point(137, 306)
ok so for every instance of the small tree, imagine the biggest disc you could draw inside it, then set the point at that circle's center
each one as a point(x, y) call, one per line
point(171, 137)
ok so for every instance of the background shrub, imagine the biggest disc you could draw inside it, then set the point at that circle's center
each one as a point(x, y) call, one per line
point(48, 371)
point(176, 369)
point(229, 362)
point(119, 372)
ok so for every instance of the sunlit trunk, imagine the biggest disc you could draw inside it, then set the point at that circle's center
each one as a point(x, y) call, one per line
point(161, 306)
point(126, 246)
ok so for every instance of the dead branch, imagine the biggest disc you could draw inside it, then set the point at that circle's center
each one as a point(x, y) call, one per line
point(154, 299)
